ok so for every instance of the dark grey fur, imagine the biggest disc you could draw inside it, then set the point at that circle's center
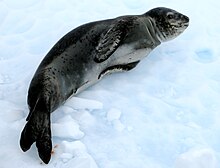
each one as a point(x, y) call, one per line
point(84, 56)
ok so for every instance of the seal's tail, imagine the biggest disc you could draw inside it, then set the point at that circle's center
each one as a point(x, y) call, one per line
point(38, 130)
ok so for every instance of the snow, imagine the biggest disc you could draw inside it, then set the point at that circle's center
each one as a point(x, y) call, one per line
point(70, 126)
point(113, 114)
point(75, 153)
point(197, 158)
point(162, 114)
point(79, 103)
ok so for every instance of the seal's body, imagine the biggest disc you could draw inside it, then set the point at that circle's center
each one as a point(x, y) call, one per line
point(83, 56)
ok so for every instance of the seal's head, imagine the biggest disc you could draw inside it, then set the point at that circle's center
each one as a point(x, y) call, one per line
point(168, 23)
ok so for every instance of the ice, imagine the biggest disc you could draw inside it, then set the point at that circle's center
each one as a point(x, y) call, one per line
point(67, 109)
point(113, 114)
point(3, 12)
point(12, 113)
point(197, 158)
point(75, 153)
point(162, 114)
point(118, 125)
point(81, 162)
point(20, 5)
point(67, 128)
point(81, 103)
point(75, 148)
point(205, 56)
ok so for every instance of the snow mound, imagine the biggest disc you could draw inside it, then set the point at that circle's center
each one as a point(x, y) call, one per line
point(113, 116)
point(67, 128)
point(197, 158)
point(75, 153)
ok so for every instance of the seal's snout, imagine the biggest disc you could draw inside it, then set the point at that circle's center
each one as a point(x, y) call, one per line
point(185, 18)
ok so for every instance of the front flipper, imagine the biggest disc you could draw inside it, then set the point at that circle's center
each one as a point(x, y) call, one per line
point(118, 68)
point(38, 130)
point(110, 41)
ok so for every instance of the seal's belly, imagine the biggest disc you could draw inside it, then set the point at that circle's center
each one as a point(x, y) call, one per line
point(128, 53)
point(123, 55)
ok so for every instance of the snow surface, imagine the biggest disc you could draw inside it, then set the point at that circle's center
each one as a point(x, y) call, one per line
point(163, 114)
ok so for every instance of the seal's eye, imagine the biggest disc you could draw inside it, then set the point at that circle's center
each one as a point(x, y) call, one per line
point(170, 16)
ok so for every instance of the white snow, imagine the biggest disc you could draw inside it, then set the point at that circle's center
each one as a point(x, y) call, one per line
point(79, 103)
point(197, 158)
point(70, 126)
point(75, 154)
point(113, 114)
point(163, 114)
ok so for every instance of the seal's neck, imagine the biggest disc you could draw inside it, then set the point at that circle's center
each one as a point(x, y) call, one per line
point(153, 32)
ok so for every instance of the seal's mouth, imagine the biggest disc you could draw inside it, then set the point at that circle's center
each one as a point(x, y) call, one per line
point(185, 20)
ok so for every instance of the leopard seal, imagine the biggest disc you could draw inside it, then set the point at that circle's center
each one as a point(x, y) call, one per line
point(83, 56)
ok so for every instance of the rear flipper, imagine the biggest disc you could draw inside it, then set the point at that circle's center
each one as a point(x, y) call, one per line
point(38, 130)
